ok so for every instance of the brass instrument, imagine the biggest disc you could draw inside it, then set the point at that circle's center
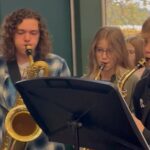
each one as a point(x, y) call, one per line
point(126, 76)
point(34, 69)
point(19, 124)
point(101, 67)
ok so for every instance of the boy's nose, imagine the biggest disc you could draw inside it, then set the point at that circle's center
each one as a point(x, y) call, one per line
point(27, 37)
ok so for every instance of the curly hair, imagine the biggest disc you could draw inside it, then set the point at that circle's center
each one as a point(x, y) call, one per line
point(8, 30)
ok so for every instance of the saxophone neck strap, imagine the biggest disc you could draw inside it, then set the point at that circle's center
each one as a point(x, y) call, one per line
point(13, 70)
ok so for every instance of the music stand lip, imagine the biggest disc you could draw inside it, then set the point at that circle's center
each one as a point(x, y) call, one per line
point(84, 93)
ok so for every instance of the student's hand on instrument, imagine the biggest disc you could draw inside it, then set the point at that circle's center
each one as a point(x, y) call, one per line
point(138, 123)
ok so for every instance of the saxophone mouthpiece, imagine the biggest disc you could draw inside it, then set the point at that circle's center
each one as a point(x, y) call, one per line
point(141, 63)
point(28, 50)
point(29, 53)
point(101, 67)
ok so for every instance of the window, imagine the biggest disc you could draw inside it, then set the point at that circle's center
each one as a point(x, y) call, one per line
point(127, 14)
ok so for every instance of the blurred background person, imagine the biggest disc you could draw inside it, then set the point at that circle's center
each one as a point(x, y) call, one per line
point(135, 45)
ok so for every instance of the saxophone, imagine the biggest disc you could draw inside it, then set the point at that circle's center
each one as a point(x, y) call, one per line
point(126, 76)
point(19, 124)
point(98, 76)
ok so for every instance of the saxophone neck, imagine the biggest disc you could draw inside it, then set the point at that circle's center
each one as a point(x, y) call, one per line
point(127, 75)
point(100, 69)
point(36, 68)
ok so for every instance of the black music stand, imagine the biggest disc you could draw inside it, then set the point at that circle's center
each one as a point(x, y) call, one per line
point(81, 112)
